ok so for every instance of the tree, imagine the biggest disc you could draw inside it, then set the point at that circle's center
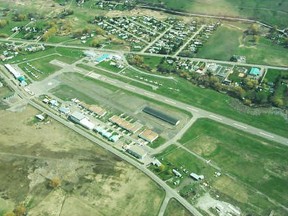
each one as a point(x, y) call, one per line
point(277, 101)
point(286, 42)
point(20, 210)
point(238, 92)
point(253, 29)
point(256, 39)
point(9, 214)
point(3, 23)
point(55, 182)
point(19, 17)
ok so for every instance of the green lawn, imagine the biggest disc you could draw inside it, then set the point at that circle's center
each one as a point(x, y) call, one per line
point(253, 160)
point(158, 142)
point(272, 74)
point(227, 41)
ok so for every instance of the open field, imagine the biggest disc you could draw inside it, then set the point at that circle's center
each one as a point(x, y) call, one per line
point(273, 13)
point(265, 52)
point(250, 159)
point(174, 208)
point(93, 182)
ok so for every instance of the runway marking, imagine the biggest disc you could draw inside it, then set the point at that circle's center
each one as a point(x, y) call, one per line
point(265, 134)
point(241, 126)
point(169, 101)
point(195, 110)
point(216, 117)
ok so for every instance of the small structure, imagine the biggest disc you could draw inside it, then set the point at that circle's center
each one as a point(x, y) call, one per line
point(196, 177)
point(137, 151)
point(45, 100)
point(156, 162)
point(114, 138)
point(161, 115)
point(64, 110)
point(148, 135)
point(54, 103)
point(40, 117)
point(178, 174)
point(255, 72)
point(103, 57)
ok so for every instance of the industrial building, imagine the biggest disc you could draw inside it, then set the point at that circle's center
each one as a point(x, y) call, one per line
point(131, 127)
point(12, 70)
point(148, 135)
point(161, 115)
point(137, 151)
point(79, 118)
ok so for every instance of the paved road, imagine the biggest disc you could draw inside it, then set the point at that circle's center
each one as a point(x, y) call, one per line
point(188, 41)
point(156, 39)
point(164, 205)
point(140, 53)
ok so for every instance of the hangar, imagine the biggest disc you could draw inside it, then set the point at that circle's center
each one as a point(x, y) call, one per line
point(161, 115)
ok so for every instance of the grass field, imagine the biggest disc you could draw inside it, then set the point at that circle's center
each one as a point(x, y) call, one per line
point(273, 13)
point(174, 208)
point(253, 160)
point(265, 52)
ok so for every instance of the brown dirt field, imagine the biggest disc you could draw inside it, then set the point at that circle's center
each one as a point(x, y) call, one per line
point(33, 152)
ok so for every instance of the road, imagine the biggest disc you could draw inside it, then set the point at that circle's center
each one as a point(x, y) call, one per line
point(143, 53)
point(188, 41)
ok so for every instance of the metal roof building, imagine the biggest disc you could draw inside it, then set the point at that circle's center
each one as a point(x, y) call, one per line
point(148, 135)
point(76, 117)
point(137, 151)
point(161, 115)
